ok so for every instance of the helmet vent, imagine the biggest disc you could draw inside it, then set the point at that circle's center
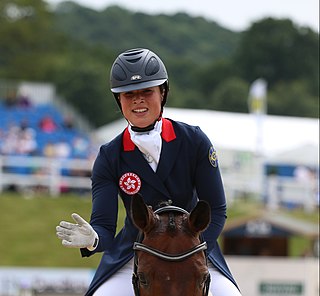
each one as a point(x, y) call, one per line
point(118, 73)
point(133, 52)
point(152, 67)
point(133, 61)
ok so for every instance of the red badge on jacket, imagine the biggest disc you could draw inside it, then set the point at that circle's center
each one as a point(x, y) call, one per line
point(130, 183)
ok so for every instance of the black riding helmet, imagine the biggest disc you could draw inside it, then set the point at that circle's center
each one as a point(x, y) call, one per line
point(137, 69)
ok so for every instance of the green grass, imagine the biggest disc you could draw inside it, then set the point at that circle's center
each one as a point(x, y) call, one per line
point(27, 229)
point(248, 208)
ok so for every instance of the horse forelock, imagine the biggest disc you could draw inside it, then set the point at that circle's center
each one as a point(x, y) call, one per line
point(172, 223)
point(164, 203)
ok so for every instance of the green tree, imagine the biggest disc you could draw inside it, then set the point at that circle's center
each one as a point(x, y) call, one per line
point(83, 81)
point(293, 99)
point(26, 38)
point(230, 95)
point(278, 51)
point(208, 78)
point(74, 47)
point(175, 36)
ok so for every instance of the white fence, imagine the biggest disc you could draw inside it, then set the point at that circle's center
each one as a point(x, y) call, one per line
point(51, 173)
point(274, 276)
point(33, 281)
point(256, 276)
point(56, 174)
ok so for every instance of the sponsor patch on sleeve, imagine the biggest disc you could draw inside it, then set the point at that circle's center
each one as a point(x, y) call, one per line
point(213, 159)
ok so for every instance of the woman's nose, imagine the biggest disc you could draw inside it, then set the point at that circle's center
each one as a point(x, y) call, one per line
point(138, 98)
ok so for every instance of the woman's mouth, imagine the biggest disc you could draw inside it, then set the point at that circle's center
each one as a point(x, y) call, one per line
point(140, 110)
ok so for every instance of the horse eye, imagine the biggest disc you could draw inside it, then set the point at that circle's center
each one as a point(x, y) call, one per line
point(142, 279)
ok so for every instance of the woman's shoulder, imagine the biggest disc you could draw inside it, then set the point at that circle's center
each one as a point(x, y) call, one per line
point(184, 127)
point(190, 134)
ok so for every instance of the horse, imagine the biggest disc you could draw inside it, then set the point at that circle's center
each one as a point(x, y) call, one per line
point(170, 256)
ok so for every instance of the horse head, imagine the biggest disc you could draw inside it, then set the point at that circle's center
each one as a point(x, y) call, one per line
point(171, 258)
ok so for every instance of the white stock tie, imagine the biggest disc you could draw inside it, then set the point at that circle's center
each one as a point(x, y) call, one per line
point(149, 143)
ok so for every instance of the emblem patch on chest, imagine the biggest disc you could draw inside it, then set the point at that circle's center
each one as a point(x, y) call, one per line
point(213, 157)
point(130, 183)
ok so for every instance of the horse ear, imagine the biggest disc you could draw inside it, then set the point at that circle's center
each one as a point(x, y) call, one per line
point(200, 216)
point(140, 213)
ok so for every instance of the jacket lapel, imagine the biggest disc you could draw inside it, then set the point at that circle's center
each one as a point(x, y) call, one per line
point(170, 148)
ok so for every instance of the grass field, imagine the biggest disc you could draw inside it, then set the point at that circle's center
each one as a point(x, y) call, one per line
point(27, 229)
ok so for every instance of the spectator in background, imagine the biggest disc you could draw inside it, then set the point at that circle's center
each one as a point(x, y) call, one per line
point(11, 99)
point(19, 140)
point(2, 137)
point(27, 144)
point(49, 149)
point(10, 140)
point(47, 124)
point(68, 122)
point(23, 101)
point(62, 149)
point(80, 147)
point(25, 125)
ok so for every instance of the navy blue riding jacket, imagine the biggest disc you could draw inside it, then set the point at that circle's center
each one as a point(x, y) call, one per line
point(188, 171)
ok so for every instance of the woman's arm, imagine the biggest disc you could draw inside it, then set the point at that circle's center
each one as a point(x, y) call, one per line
point(104, 203)
point(209, 187)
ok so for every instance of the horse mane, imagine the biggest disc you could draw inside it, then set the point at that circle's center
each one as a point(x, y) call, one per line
point(165, 203)
point(171, 216)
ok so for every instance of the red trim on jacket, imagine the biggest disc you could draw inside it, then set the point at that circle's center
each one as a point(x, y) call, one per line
point(167, 134)
point(128, 145)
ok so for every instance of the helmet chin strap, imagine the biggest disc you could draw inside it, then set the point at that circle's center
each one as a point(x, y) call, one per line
point(147, 128)
point(143, 129)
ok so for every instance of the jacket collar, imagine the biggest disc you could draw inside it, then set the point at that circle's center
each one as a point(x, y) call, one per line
point(167, 135)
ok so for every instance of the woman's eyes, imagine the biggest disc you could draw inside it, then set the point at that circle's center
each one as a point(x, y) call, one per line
point(147, 91)
point(143, 93)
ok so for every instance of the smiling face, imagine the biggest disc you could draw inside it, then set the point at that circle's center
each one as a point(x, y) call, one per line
point(141, 107)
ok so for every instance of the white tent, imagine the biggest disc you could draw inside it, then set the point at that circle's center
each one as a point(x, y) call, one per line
point(238, 137)
point(306, 155)
point(241, 132)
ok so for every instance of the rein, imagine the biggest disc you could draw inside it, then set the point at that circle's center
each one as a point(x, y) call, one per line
point(139, 246)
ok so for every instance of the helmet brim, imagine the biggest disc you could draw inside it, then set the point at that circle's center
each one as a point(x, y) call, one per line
point(137, 86)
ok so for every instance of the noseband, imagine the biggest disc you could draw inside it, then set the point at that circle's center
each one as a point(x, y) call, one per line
point(138, 246)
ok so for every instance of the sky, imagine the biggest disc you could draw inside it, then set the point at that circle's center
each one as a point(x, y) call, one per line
point(236, 15)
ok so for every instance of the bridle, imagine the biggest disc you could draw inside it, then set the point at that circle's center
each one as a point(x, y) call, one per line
point(139, 246)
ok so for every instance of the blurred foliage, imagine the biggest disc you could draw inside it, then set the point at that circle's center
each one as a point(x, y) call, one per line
point(209, 66)
point(178, 36)
point(27, 39)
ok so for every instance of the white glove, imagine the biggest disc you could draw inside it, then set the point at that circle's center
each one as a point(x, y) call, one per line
point(80, 235)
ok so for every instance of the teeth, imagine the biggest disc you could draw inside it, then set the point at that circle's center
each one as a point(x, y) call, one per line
point(140, 110)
